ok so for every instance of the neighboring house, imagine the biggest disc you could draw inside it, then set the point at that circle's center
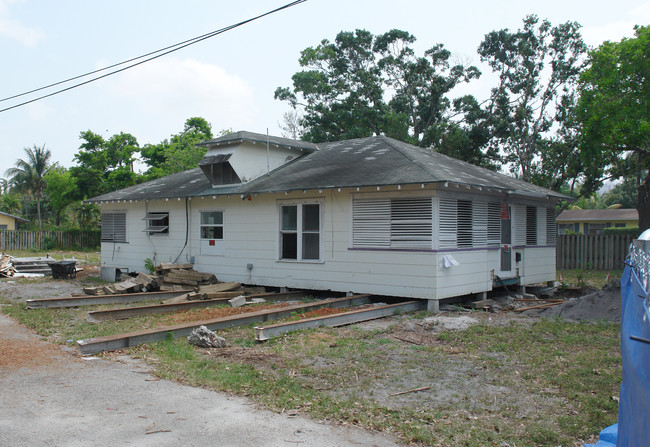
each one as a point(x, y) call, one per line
point(595, 221)
point(371, 215)
point(8, 221)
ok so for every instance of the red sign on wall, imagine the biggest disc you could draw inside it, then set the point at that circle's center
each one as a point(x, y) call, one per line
point(505, 211)
point(211, 242)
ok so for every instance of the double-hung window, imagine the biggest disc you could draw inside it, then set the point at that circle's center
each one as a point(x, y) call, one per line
point(212, 225)
point(300, 231)
point(114, 227)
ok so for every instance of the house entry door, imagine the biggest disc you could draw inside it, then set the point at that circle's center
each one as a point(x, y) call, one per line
point(506, 240)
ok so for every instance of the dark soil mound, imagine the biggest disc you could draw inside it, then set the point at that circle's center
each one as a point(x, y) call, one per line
point(602, 305)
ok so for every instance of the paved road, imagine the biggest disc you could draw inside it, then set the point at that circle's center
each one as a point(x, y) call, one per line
point(49, 396)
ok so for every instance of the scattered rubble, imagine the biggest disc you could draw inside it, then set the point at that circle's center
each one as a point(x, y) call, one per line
point(7, 268)
point(238, 301)
point(205, 338)
point(209, 292)
point(604, 304)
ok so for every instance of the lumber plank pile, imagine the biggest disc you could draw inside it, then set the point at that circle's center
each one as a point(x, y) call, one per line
point(140, 283)
point(170, 277)
point(210, 292)
point(183, 274)
point(7, 268)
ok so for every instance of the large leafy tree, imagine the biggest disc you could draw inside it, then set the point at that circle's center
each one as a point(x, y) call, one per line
point(614, 110)
point(362, 85)
point(28, 175)
point(61, 190)
point(538, 67)
point(179, 152)
point(104, 165)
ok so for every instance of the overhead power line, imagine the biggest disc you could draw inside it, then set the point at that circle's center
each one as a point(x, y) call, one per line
point(141, 60)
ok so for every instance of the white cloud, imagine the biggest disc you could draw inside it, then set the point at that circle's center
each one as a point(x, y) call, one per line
point(615, 31)
point(14, 29)
point(168, 84)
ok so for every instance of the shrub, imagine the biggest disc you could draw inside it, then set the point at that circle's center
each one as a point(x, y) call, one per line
point(631, 231)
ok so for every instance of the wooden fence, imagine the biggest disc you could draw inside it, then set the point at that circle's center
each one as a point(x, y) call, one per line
point(49, 240)
point(592, 252)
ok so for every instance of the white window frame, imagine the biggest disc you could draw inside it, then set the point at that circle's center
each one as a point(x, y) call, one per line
point(299, 231)
point(122, 235)
point(202, 225)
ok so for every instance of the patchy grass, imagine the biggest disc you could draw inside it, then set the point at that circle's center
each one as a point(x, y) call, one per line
point(523, 382)
point(586, 278)
point(92, 256)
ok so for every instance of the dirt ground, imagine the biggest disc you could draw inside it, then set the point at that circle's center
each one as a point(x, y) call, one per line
point(455, 377)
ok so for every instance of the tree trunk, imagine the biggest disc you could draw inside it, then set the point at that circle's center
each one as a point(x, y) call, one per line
point(642, 203)
point(38, 211)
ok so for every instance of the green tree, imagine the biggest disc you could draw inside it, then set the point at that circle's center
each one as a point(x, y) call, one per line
point(61, 190)
point(623, 193)
point(10, 204)
point(28, 176)
point(538, 67)
point(104, 165)
point(362, 85)
point(179, 152)
point(614, 109)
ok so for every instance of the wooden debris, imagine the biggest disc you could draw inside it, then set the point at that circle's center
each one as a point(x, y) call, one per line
point(414, 390)
point(169, 266)
point(221, 287)
point(177, 299)
point(213, 295)
point(481, 304)
point(541, 306)
point(7, 268)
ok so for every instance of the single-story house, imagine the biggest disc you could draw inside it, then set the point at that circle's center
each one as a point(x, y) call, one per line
point(370, 215)
point(9, 221)
point(595, 221)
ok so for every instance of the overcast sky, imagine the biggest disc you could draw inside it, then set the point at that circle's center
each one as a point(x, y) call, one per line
point(228, 79)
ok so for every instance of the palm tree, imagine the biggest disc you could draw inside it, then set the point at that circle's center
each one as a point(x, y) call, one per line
point(28, 175)
point(10, 204)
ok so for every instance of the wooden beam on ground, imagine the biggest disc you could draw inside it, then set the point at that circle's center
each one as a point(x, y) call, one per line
point(130, 312)
point(541, 306)
point(90, 300)
point(112, 342)
point(355, 316)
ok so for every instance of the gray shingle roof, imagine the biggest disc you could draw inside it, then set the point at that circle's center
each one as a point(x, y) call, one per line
point(598, 215)
point(242, 135)
point(372, 161)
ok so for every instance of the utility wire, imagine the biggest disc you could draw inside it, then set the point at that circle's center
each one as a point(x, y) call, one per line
point(153, 54)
